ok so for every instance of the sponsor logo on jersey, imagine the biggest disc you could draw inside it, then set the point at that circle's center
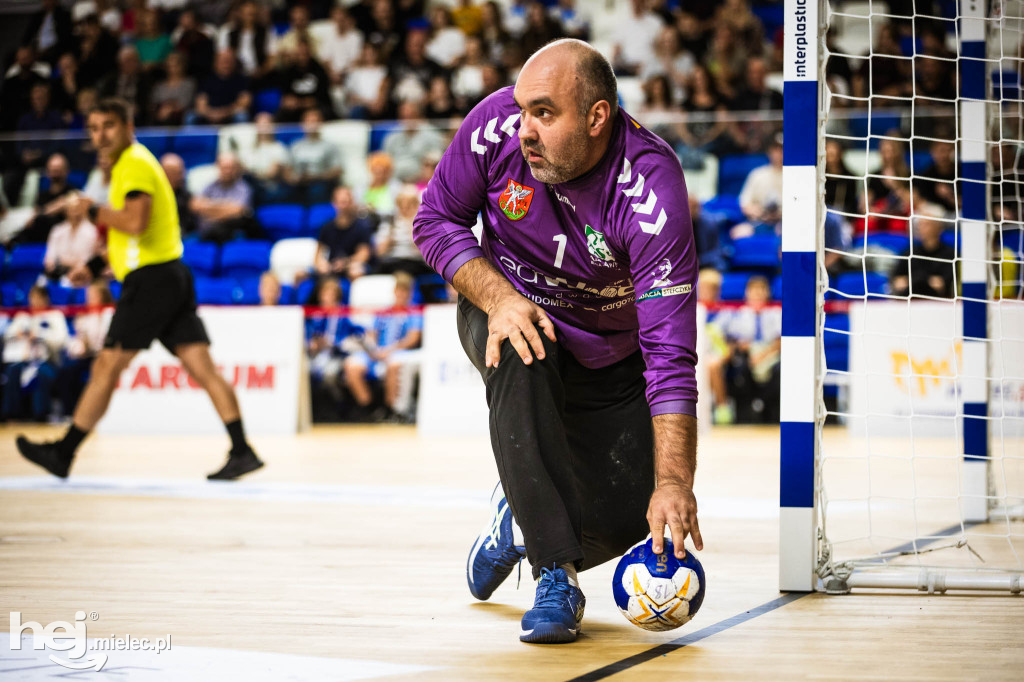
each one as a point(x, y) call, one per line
point(597, 246)
point(669, 291)
point(515, 201)
point(661, 273)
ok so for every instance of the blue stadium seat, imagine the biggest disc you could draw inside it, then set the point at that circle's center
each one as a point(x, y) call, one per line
point(771, 16)
point(734, 285)
point(896, 244)
point(115, 289)
point(318, 215)
point(1006, 85)
point(432, 287)
point(246, 291)
point(725, 207)
point(66, 295)
point(268, 99)
point(12, 295)
point(157, 143)
point(78, 178)
point(949, 238)
point(304, 290)
point(777, 288)
point(215, 290)
point(245, 258)
point(733, 171)
point(287, 295)
point(758, 251)
point(837, 344)
point(26, 264)
point(195, 149)
point(282, 220)
point(852, 283)
point(201, 257)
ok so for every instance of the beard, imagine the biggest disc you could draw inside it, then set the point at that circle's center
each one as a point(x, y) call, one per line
point(559, 165)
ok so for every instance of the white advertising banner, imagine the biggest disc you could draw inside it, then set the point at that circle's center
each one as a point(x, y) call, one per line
point(259, 350)
point(452, 400)
point(905, 360)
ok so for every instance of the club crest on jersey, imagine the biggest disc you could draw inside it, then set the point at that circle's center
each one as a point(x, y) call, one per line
point(597, 246)
point(515, 200)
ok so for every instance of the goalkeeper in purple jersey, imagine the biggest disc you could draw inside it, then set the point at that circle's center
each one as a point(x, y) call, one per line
point(578, 309)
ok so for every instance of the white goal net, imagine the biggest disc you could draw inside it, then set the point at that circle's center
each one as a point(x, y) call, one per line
point(919, 476)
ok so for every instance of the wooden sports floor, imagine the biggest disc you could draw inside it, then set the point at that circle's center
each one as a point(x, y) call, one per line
point(344, 559)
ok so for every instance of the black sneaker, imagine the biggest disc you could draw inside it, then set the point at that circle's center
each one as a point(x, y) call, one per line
point(46, 455)
point(236, 466)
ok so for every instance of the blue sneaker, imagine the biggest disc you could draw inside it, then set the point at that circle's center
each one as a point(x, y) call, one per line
point(496, 551)
point(557, 613)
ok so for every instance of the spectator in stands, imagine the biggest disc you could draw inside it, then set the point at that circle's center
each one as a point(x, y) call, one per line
point(887, 73)
point(379, 195)
point(761, 196)
point(366, 85)
point(447, 42)
point(705, 234)
point(411, 142)
point(152, 43)
point(935, 65)
point(270, 289)
point(26, 72)
point(305, 85)
point(671, 61)
point(64, 87)
point(172, 96)
point(193, 44)
point(492, 31)
point(929, 267)
point(440, 103)
point(381, 26)
point(716, 355)
point(345, 242)
point(574, 20)
point(267, 163)
point(328, 330)
point(97, 187)
point(746, 27)
point(468, 78)
point(726, 61)
point(129, 82)
point(468, 17)
point(224, 96)
point(1004, 263)
point(938, 183)
point(396, 251)
point(541, 29)
point(428, 166)
point(298, 31)
point(342, 51)
point(48, 30)
point(85, 100)
point(50, 202)
point(692, 37)
point(174, 167)
point(96, 52)
point(633, 39)
point(388, 355)
point(514, 17)
point(410, 73)
point(753, 334)
point(72, 243)
point(80, 350)
point(249, 39)
point(32, 344)
point(316, 164)
point(755, 95)
point(703, 129)
point(657, 111)
point(225, 207)
point(842, 189)
point(837, 243)
point(40, 117)
point(838, 73)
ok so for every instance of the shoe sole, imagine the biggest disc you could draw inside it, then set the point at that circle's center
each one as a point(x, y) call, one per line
point(496, 499)
point(549, 633)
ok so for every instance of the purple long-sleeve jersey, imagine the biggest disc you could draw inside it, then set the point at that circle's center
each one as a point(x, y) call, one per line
point(610, 256)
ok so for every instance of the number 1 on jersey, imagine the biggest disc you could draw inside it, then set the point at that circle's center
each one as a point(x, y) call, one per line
point(560, 238)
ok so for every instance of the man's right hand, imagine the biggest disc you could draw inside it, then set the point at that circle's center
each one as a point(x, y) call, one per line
point(516, 318)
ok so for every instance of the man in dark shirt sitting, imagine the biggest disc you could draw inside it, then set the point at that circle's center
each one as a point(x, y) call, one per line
point(49, 202)
point(174, 166)
point(928, 267)
point(345, 242)
point(305, 84)
point(224, 96)
point(939, 182)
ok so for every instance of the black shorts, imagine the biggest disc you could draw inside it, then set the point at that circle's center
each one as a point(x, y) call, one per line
point(157, 302)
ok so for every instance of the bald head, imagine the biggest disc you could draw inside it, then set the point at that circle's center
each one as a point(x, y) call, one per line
point(577, 65)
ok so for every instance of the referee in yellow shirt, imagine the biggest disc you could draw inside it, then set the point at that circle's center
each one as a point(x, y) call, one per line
point(157, 300)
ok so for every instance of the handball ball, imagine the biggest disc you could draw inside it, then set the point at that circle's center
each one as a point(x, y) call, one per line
point(658, 591)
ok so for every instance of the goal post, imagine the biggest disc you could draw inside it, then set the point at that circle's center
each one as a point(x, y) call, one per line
point(902, 401)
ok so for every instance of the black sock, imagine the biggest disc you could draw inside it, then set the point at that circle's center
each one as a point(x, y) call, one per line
point(237, 434)
point(72, 439)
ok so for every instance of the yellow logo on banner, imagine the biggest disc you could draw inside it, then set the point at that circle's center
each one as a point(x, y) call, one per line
point(926, 373)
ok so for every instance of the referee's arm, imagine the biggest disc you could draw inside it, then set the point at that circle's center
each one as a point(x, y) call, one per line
point(132, 219)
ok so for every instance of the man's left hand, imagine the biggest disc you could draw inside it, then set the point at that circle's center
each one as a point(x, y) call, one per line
point(674, 505)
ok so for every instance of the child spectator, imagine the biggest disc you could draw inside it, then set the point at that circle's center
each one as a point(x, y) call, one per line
point(270, 289)
point(32, 343)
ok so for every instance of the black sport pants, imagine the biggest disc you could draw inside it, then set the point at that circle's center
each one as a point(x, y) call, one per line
point(574, 447)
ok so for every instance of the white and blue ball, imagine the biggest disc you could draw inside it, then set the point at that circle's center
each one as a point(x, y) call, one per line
point(658, 591)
